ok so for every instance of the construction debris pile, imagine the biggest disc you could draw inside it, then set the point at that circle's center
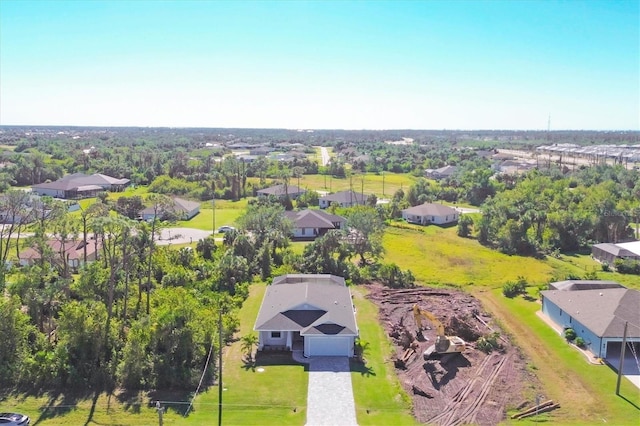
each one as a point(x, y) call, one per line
point(455, 383)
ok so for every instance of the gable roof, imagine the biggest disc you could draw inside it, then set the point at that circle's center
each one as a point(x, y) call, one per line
point(72, 249)
point(603, 311)
point(278, 190)
point(309, 303)
point(431, 209)
point(346, 197)
point(313, 219)
point(579, 285)
point(77, 180)
point(179, 206)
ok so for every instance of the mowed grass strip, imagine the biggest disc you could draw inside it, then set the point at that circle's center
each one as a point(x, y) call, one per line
point(379, 397)
point(438, 256)
point(276, 396)
point(586, 392)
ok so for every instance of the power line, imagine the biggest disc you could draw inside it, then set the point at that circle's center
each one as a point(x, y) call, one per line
point(206, 364)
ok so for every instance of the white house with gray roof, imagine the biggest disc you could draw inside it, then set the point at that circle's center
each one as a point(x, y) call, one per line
point(427, 213)
point(310, 224)
point(312, 312)
point(596, 311)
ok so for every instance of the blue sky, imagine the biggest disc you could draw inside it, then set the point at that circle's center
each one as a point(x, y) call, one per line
point(318, 64)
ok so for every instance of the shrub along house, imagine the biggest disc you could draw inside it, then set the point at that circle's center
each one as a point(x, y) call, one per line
point(313, 313)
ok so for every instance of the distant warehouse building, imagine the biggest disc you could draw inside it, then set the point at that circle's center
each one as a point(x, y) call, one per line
point(609, 253)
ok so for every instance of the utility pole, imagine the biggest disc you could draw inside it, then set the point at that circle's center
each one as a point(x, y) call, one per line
point(213, 205)
point(622, 350)
point(160, 411)
point(219, 362)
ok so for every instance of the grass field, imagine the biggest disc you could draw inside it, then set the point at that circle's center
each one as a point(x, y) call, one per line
point(437, 256)
point(380, 400)
point(586, 392)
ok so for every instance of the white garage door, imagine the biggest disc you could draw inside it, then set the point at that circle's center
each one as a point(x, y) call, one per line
point(329, 346)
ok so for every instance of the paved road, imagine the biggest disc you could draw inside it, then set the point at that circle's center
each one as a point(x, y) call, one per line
point(330, 394)
point(324, 153)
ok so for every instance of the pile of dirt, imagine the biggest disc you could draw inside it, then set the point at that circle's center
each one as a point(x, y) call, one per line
point(470, 387)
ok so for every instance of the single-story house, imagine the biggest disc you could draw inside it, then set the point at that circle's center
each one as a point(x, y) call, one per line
point(79, 185)
point(313, 313)
point(183, 209)
point(609, 253)
point(313, 223)
point(427, 213)
point(597, 315)
point(441, 173)
point(73, 252)
point(343, 199)
point(280, 191)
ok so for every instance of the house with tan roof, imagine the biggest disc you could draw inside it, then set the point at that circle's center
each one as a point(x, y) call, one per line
point(313, 313)
point(71, 252)
point(428, 213)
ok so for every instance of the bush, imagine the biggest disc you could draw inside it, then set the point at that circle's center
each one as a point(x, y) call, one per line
point(627, 266)
point(579, 342)
point(606, 267)
point(489, 342)
point(512, 289)
point(570, 334)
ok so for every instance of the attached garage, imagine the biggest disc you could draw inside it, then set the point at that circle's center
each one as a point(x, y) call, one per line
point(328, 346)
point(313, 309)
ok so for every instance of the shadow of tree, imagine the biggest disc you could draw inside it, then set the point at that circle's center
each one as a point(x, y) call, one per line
point(60, 403)
point(362, 368)
point(175, 400)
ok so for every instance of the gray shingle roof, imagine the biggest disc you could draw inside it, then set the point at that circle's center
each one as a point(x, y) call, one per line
point(278, 190)
point(313, 219)
point(308, 303)
point(578, 285)
point(346, 197)
point(603, 311)
point(430, 209)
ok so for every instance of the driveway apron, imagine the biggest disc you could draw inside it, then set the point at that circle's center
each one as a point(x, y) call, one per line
point(330, 395)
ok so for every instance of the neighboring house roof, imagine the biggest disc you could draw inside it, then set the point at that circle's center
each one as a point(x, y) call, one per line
point(603, 311)
point(72, 249)
point(431, 209)
point(278, 190)
point(185, 205)
point(179, 206)
point(78, 180)
point(578, 285)
point(619, 250)
point(633, 247)
point(346, 197)
point(312, 304)
point(313, 219)
point(442, 171)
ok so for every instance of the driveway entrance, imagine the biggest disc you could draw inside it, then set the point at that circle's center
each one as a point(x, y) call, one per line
point(330, 395)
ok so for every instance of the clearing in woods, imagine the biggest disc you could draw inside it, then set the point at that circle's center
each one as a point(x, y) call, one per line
point(472, 387)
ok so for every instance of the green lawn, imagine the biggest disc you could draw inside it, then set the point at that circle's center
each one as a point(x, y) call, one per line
point(373, 183)
point(437, 256)
point(276, 396)
point(586, 392)
point(380, 400)
point(226, 214)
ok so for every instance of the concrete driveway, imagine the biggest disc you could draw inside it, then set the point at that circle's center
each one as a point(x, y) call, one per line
point(330, 394)
point(181, 236)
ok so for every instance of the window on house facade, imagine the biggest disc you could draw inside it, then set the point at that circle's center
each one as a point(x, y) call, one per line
point(276, 335)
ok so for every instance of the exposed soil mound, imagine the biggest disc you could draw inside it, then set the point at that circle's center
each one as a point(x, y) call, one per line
point(471, 387)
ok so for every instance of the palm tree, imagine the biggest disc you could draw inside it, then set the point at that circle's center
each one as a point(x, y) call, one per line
point(248, 342)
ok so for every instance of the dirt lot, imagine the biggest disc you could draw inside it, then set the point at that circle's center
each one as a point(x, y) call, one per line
point(471, 387)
